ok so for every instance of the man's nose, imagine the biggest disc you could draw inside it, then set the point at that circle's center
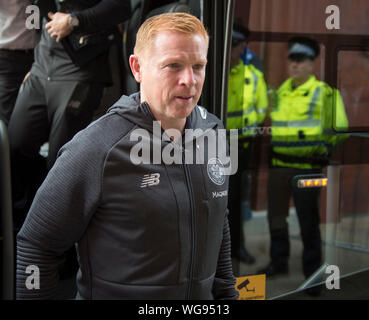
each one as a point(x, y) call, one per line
point(188, 77)
point(294, 64)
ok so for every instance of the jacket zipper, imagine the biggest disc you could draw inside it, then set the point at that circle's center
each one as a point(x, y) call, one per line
point(192, 227)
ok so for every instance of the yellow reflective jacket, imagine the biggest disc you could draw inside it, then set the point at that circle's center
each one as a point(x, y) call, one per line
point(303, 124)
point(247, 100)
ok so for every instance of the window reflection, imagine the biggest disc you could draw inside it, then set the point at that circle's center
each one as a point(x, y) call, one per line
point(353, 83)
point(307, 131)
point(300, 16)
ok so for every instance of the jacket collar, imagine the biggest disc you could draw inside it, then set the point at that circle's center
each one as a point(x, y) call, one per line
point(130, 108)
point(238, 68)
point(305, 86)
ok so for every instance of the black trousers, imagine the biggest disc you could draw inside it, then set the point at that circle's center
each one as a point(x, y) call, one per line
point(14, 65)
point(52, 111)
point(306, 202)
point(237, 188)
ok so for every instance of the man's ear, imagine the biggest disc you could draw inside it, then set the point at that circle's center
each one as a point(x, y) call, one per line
point(135, 67)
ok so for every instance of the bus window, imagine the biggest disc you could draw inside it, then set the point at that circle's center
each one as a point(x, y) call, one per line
point(274, 56)
point(298, 16)
point(311, 130)
point(353, 81)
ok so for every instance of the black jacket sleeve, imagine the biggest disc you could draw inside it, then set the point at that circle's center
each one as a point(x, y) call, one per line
point(58, 217)
point(103, 15)
point(224, 282)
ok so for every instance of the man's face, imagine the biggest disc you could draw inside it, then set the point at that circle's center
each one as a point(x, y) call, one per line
point(300, 69)
point(171, 73)
point(236, 53)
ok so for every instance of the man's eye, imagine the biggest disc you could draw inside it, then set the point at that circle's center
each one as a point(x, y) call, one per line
point(198, 66)
point(174, 65)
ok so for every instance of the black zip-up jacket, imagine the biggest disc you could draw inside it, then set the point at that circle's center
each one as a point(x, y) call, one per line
point(146, 231)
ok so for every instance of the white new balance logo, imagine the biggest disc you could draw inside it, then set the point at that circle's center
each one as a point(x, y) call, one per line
point(149, 180)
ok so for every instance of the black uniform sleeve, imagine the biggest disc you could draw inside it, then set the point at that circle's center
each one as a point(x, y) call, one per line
point(58, 217)
point(105, 14)
point(224, 282)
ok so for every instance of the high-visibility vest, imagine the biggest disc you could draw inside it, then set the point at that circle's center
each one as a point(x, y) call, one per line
point(303, 124)
point(247, 100)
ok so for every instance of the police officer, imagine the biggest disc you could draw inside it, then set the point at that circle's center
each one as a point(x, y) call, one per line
point(63, 88)
point(301, 144)
point(247, 102)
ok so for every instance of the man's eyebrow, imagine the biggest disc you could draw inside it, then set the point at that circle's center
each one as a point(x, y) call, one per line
point(179, 61)
point(202, 61)
point(166, 60)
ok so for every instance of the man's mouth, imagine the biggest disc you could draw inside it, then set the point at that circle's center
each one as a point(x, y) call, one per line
point(184, 98)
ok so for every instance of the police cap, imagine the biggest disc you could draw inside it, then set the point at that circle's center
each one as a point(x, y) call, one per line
point(239, 34)
point(302, 48)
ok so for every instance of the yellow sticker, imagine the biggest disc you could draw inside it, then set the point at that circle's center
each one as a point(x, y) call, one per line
point(251, 287)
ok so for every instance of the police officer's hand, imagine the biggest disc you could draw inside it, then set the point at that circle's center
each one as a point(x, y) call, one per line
point(59, 26)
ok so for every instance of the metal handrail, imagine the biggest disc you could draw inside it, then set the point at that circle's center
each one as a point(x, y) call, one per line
point(6, 216)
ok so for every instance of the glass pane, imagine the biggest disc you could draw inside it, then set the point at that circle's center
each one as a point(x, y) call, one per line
point(272, 208)
point(353, 83)
point(346, 230)
point(274, 56)
point(301, 16)
point(274, 63)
